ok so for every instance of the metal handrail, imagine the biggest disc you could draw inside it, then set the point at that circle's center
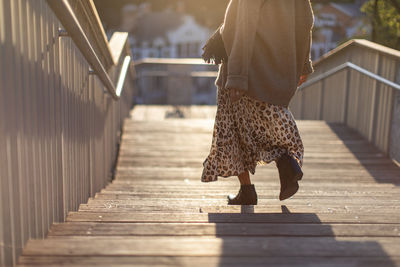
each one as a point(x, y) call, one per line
point(171, 61)
point(351, 66)
point(162, 73)
point(66, 15)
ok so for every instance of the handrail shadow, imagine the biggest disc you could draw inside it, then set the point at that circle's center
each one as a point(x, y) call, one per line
point(383, 171)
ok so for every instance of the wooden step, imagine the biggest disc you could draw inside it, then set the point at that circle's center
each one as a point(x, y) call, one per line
point(157, 212)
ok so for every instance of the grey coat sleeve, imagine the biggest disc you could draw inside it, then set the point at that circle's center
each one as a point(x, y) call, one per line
point(240, 55)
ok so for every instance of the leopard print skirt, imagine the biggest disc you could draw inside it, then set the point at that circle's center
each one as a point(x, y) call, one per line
point(248, 133)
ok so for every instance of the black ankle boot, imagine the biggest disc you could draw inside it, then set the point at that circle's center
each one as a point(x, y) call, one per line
point(247, 196)
point(289, 173)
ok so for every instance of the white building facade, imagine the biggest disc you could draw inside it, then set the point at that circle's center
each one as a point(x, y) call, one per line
point(335, 23)
point(166, 34)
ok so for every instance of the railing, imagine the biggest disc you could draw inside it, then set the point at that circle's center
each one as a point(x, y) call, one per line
point(357, 85)
point(66, 15)
point(175, 82)
point(353, 67)
point(59, 127)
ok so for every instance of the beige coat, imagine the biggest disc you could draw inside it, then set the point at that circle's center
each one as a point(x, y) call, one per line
point(268, 45)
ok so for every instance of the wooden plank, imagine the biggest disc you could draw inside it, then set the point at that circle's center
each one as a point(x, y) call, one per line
point(224, 229)
point(324, 138)
point(9, 216)
point(211, 261)
point(153, 112)
point(148, 152)
point(197, 161)
point(213, 246)
point(206, 261)
point(310, 172)
point(227, 185)
point(157, 212)
point(267, 194)
point(241, 215)
point(172, 202)
point(232, 184)
point(4, 220)
point(159, 171)
point(266, 175)
point(305, 208)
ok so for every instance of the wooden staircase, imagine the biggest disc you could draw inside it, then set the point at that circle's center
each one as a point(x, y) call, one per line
point(158, 213)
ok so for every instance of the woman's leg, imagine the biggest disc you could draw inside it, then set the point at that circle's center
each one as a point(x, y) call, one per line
point(244, 178)
point(247, 194)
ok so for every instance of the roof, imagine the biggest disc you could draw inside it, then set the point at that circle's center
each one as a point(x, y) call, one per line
point(156, 24)
point(362, 43)
point(350, 9)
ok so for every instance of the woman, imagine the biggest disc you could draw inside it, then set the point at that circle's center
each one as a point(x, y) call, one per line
point(264, 48)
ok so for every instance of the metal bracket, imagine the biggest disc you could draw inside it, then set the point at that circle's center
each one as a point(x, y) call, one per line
point(62, 33)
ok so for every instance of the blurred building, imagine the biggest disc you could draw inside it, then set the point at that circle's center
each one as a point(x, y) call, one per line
point(336, 22)
point(160, 41)
point(175, 82)
point(170, 33)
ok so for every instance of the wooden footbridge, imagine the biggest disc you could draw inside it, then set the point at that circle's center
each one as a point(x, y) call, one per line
point(157, 212)
point(87, 178)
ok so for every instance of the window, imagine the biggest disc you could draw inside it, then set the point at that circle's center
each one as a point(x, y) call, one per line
point(321, 51)
point(166, 53)
point(180, 50)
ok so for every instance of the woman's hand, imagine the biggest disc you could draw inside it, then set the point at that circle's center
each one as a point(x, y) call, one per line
point(303, 79)
point(236, 94)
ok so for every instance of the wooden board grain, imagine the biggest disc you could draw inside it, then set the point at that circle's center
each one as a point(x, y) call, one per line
point(224, 229)
point(106, 261)
point(214, 246)
point(157, 212)
point(240, 215)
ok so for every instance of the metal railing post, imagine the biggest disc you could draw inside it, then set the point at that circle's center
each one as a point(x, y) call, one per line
point(347, 96)
point(302, 109)
point(376, 102)
point(394, 132)
point(321, 100)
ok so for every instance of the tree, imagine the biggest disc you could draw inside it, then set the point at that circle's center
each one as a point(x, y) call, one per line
point(384, 16)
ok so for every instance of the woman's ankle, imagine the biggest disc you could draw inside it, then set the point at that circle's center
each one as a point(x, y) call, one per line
point(244, 178)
